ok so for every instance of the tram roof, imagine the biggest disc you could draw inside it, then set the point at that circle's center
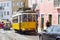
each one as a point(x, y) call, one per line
point(22, 12)
point(16, 14)
point(28, 11)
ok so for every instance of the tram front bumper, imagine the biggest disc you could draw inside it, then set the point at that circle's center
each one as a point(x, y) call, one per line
point(28, 30)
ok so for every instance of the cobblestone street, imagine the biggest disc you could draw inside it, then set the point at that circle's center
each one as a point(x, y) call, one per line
point(11, 35)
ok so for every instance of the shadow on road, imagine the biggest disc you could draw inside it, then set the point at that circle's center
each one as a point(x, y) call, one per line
point(27, 33)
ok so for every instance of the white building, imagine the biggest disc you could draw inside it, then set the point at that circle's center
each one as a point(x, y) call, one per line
point(32, 3)
point(5, 9)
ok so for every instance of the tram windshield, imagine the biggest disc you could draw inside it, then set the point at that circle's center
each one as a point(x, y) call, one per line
point(29, 17)
point(33, 17)
point(24, 17)
point(15, 19)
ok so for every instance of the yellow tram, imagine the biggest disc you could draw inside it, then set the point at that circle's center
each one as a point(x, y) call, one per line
point(24, 22)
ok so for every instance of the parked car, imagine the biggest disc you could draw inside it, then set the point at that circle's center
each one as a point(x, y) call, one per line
point(51, 33)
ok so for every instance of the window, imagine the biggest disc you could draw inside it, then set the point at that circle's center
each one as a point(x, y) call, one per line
point(50, 18)
point(56, 3)
point(1, 4)
point(42, 21)
point(1, 14)
point(7, 4)
point(29, 17)
point(15, 19)
point(58, 0)
point(24, 18)
point(34, 17)
point(22, 4)
point(49, 0)
point(42, 1)
point(4, 4)
point(58, 19)
point(59, 3)
point(1, 8)
point(4, 12)
point(7, 12)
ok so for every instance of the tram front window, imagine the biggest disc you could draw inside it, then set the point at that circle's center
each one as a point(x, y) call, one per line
point(15, 19)
point(29, 17)
point(24, 17)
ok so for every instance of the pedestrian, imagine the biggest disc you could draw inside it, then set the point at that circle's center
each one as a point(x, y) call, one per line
point(2, 24)
point(48, 24)
point(7, 27)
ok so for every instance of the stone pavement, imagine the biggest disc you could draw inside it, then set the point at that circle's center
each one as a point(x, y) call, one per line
point(11, 35)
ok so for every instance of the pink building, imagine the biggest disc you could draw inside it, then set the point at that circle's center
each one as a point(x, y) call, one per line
point(49, 10)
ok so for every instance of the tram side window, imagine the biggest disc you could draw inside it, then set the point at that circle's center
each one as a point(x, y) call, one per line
point(20, 18)
point(15, 19)
point(34, 17)
point(24, 17)
point(29, 17)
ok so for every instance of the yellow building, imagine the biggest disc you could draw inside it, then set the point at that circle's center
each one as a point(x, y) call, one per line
point(19, 4)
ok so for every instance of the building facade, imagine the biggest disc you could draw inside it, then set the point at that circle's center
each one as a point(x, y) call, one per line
point(23, 3)
point(5, 9)
point(48, 10)
point(17, 4)
point(31, 3)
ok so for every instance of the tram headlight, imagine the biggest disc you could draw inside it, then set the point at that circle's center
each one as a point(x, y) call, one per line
point(23, 29)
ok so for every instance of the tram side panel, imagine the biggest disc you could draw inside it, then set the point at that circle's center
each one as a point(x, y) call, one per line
point(15, 26)
point(28, 26)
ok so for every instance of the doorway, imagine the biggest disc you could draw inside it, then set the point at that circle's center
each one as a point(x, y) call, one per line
point(42, 21)
point(50, 19)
